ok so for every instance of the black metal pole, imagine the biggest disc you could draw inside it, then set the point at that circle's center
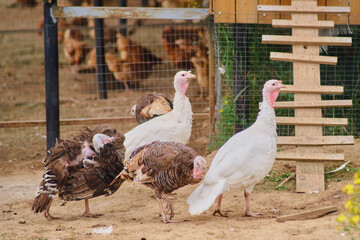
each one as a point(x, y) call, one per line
point(100, 54)
point(240, 73)
point(51, 76)
point(123, 3)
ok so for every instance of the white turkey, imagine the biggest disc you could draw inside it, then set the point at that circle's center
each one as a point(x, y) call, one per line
point(164, 167)
point(81, 168)
point(150, 106)
point(172, 126)
point(243, 161)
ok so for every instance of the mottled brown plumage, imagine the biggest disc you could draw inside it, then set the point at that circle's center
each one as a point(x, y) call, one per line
point(152, 105)
point(164, 167)
point(75, 171)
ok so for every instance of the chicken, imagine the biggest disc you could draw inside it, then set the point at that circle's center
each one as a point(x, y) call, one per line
point(243, 161)
point(173, 38)
point(150, 106)
point(172, 126)
point(63, 24)
point(75, 50)
point(109, 33)
point(201, 64)
point(140, 59)
point(121, 70)
point(164, 167)
point(81, 168)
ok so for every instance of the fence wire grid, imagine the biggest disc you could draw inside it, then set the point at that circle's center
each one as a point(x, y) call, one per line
point(238, 51)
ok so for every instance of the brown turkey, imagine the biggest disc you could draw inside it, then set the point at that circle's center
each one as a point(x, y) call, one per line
point(81, 168)
point(150, 106)
point(164, 167)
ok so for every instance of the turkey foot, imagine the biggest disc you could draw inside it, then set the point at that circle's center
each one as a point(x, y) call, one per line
point(252, 214)
point(218, 207)
point(87, 211)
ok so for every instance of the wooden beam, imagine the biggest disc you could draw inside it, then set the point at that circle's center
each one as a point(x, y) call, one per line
point(290, 57)
point(246, 11)
point(82, 121)
point(293, 24)
point(309, 214)
point(354, 18)
point(313, 104)
point(315, 140)
point(131, 12)
point(297, 40)
point(309, 157)
point(302, 9)
point(299, 121)
point(321, 89)
point(224, 13)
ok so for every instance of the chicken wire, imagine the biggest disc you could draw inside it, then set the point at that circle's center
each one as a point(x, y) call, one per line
point(238, 51)
point(243, 65)
point(23, 78)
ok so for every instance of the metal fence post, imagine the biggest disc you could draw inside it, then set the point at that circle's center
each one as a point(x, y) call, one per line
point(101, 68)
point(51, 75)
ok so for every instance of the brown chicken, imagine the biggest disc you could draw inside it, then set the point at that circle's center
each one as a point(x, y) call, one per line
point(178, 44)
point(150, 106)
point(63, 24)
point(109, 33)
point(201, 64)
point(140, 59)
point(75, 50)
point(81, 168)
point(164, 167)
point(121, 70)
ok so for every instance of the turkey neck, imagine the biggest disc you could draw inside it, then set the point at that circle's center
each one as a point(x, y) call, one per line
point(266, 116)
point(182, 106)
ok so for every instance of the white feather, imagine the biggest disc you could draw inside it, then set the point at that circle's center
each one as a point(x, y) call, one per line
point(243, 161)
point(172, 126)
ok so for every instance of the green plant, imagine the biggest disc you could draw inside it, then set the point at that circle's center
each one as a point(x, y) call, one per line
point(350, 219)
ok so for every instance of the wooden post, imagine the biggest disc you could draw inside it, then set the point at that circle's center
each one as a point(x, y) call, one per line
point(309, 175)
point(51, 76)
point(307, 89)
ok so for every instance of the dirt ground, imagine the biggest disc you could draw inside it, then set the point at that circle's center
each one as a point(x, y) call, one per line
point(132, 211)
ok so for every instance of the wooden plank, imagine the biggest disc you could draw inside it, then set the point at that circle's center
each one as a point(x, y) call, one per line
point(308, 121)
point(354, 18)
point(315, 140)
point(82, 121)
point(338, 18)
point(290, 57)
point(302, 40)
point(265, 18)
point(302, 9)
point(246, 11)
point(313, 104)
point(309, 214)
point(321, 89)
point(132, 12)
point(292, 24)
point(309, 157)
point(285, 15)
point(224, 13)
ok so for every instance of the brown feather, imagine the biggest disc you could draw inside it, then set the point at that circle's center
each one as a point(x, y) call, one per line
point(152, 105)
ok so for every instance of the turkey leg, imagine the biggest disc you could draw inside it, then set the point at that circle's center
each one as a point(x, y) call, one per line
point(248, 212)
point(218, 207)
point(47, 213)
point(87, 210)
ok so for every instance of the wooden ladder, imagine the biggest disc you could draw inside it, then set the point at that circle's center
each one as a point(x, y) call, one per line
point(309, 140)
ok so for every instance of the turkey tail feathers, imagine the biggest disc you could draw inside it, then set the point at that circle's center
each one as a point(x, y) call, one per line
point(41, 202)
point(203, 197)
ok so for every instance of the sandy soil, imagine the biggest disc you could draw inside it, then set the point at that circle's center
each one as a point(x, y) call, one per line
point(132, 211)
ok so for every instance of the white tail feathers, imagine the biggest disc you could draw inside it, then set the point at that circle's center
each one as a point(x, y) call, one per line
point(203, 197)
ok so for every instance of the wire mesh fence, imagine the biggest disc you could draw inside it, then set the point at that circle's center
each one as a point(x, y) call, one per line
point(141, 57)
point(165, 48)
point(243, 66)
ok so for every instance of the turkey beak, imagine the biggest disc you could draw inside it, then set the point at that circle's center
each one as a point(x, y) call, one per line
point(192, 76)
point(281, 85)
